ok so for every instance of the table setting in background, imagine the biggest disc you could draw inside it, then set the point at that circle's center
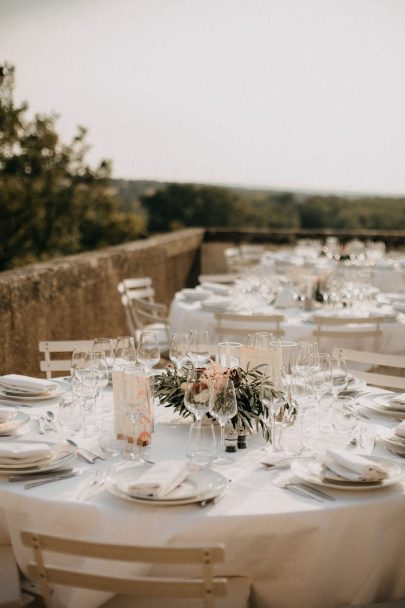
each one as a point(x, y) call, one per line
point(239, 443)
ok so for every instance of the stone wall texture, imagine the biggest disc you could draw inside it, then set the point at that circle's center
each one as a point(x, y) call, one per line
point(76, 297)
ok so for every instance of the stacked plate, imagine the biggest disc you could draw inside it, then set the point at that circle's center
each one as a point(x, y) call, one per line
point(11, 420)
point(33, 456)
point(15, 387)
point(195, 295)
point(197, 487)
point(388, 404)
point(215, 304)
point(310, 470)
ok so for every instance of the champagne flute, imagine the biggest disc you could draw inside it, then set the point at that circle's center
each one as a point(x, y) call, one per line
point(100, 368)
point(199, 351)
point(84, 386)
point(179, 346)
point(223, 406)
point(148, 353)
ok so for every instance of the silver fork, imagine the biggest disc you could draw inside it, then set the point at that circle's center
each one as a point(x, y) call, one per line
point(96, 483)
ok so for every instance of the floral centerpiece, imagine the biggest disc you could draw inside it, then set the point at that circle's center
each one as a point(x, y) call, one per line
point(252, 413)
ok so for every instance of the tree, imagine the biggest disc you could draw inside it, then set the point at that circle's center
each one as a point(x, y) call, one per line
point(51, 202)
point(182, 205)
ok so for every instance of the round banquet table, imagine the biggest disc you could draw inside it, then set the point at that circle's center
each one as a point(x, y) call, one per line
point(186, 315)
point(298, 552)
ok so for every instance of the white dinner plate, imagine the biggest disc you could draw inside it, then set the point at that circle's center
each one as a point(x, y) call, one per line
point(9, 427)
point(387, 403)
point(203, 485)
point(20, 397)
point(371, 403)
point(62, 454)
point(306, 469)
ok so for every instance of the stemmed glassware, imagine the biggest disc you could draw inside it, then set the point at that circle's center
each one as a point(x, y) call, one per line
point(137, 407)
point(275, 399)
point(321, 379)
point(179, 347)
point(304, 358)
point(198, 349)
point(148, 353)
point(125, 351)
point(223, 406)
point(339, 376)
point(105, 345)
point(98, 364)
point(84, 386)
point(228, 354)
point(197, 393)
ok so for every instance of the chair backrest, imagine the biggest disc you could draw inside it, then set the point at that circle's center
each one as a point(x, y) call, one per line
point(140, 288)
point(206, 586)
point(341, 328)
point(232, 325)
point(50, 348)
point(375, 363)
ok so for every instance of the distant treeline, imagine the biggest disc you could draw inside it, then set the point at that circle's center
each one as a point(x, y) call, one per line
point(172, 206)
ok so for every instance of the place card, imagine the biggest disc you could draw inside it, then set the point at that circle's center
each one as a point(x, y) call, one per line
point(123, 425)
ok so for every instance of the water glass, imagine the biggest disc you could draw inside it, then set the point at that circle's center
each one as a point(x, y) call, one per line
point(339, 375)
point(197, 393)
point(137, 407)
point(108, 440)
point(228, 354)
point(125, 351)
point(69, 413)
point(201, 445)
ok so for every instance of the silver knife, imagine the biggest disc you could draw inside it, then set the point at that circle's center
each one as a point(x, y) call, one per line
point(40, 482)
point(39, 475)
point(303, 492)
point(316, 491)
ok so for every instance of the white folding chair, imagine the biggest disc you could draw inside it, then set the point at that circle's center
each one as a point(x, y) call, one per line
point(140, 288)
point(375, 363)
point(149, 316)
point(48, 571)
point(343, 329)
point(62, 350)
point(235, 326)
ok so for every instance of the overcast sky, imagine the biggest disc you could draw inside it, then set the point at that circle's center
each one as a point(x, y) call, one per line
point(281, 93)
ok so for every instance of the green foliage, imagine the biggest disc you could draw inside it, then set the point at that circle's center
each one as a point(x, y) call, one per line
point(252, 412)
point(51, 202)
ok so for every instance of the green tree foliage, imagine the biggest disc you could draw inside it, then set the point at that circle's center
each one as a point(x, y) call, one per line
point(51, 202)
point(181, 205)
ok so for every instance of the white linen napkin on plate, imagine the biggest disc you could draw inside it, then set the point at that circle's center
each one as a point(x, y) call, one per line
point(14, 452)
point(6, 414)
point(26, 383)
point(399, 430)
point(400, 398)
point(157, 481)
point(349, 466)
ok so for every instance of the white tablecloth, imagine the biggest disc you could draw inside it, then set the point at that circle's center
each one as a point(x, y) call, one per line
point(186, 315)
point(297, 551)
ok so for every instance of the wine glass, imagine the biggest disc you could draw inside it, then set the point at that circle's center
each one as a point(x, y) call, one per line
point(84, 386)
point(198, 350)
point(98, 364)
point(201, 444)
point(339, 375)
point(80, 359)
point(179, 345)
point(125, 351)
point(223, 406)
point(197, 393)
point(306, 350)
point(262, 339)
point(275, 399)
point(136, 402)
point(148, 353)
point(105, 345)
point(321, 380)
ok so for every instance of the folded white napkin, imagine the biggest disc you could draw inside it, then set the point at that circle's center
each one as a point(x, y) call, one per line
point(400, 430)
point(273, 459)
point(218, 288)
point(6, 414)
point(400, 398)
point(158, 481)
point(13, 452)
point(26, 383)
point(215, 303)
point(349, 466)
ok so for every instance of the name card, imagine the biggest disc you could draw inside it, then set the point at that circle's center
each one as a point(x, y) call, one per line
point(142, 407)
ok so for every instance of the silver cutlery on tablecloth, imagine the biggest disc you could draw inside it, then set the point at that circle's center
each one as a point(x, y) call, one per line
point(40, 482)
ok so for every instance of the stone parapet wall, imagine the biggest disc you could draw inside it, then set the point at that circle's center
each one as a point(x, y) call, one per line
point(76, 297)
